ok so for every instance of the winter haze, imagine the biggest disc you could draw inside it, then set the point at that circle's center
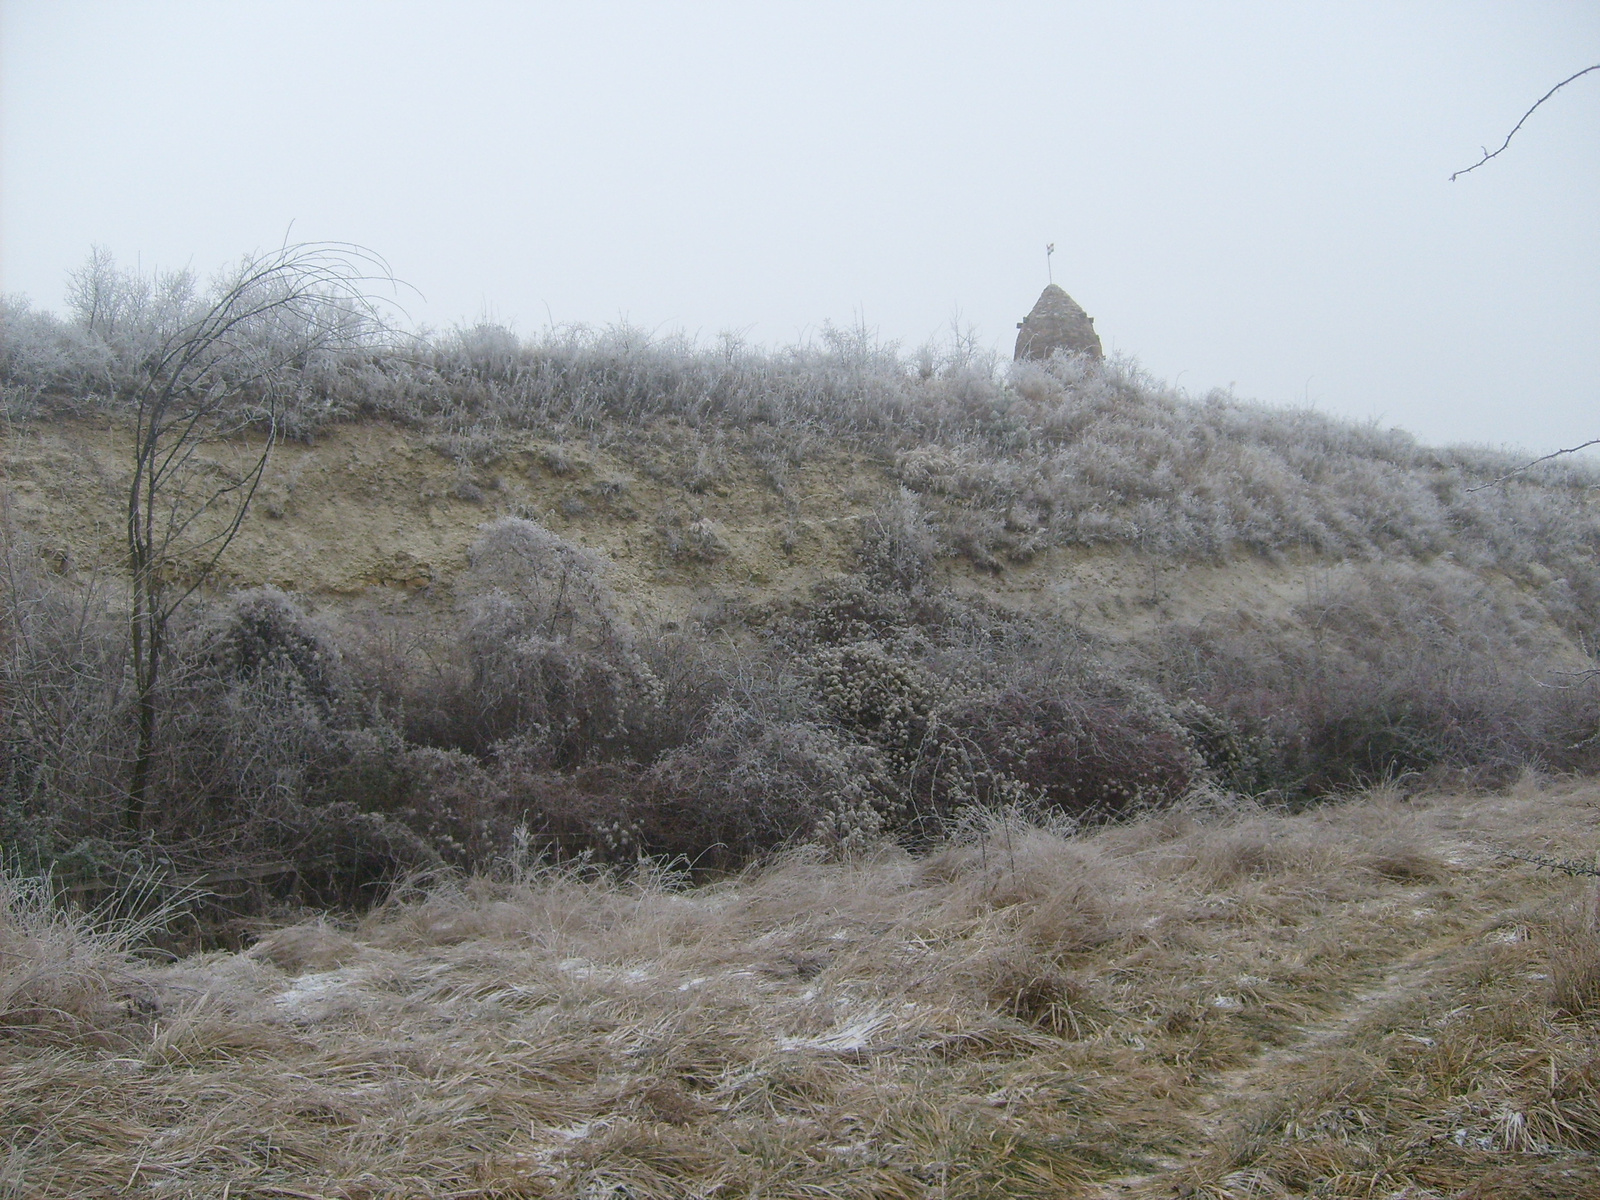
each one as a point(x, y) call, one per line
point(1249, 194)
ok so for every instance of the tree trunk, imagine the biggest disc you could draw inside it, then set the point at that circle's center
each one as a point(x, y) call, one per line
point(146, 630)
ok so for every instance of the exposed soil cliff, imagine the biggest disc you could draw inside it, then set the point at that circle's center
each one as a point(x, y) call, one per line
point(379, 513)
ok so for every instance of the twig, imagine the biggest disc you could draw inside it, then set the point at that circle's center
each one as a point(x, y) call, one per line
point(1487, 154)
point(1537, 461)
point(1568, 866)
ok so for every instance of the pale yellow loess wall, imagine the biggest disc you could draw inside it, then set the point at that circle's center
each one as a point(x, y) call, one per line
point(377, 512)
point(374, 506)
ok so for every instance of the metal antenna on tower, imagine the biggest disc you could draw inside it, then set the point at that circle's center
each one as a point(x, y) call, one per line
point(1050, 248)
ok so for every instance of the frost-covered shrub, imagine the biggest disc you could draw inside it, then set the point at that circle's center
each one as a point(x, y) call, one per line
point(64, 741)
point(898, 545)
point(39, 355)
point(263, 638)
point(1392, 671)
point(849, 609)
point(755, 781)
point(350, 856)
point(1091, 753)
point(251, 706)
point(875, 697)
point(547, 655)
point(969, 705)
point(559, 587)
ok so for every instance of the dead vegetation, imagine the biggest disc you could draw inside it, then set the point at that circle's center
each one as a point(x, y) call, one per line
point(890, 688)
point(879, 886)
point(1363, 1000)
point(531, 718)
point(1013, 459)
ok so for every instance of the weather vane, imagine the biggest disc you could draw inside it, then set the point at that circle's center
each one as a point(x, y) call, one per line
point(1050, 248)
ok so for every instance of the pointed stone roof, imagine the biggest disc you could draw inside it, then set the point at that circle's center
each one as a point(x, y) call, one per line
point(1057, 323)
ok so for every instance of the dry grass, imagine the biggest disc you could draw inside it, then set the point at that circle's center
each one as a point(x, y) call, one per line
point(65, 975)
point(1363, 1000)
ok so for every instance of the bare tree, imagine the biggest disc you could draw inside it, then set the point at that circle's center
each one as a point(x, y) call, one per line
point(199, 369)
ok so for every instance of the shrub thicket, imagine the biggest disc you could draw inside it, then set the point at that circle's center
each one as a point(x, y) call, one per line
point(875, 710)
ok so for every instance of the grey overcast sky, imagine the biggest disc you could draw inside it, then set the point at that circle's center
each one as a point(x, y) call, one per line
point(1250, 193)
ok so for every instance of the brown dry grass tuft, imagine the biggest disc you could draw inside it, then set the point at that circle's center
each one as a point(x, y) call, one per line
point(1575, 958)
point(65, 975)
point(1358, 1000)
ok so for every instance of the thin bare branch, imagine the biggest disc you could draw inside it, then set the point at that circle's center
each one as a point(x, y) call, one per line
point(1567, 866)
point(1530, 465)
point(1488, 154)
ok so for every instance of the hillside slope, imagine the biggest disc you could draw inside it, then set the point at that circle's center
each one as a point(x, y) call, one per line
point(610, 768)
point(371, 508)
point(633, 596)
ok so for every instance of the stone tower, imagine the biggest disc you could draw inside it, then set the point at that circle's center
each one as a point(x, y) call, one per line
point(1057, 323)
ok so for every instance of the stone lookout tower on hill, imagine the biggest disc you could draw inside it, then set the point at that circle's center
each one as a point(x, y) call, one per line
point(1057, 323)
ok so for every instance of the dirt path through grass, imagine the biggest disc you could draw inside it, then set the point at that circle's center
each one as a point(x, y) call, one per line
point(1419, 1082)
point(1242, 1101)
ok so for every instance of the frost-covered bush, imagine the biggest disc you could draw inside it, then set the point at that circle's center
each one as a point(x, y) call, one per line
point(549, 660)
point(875, 696)
point(263, 639)
point(756, 780)
point(64, 742)
point(898, 543)
point(1392, 670)
point(1087, 752)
